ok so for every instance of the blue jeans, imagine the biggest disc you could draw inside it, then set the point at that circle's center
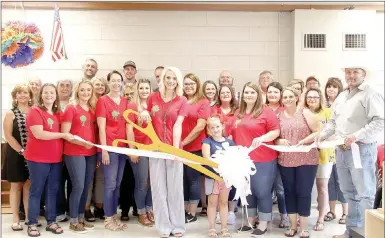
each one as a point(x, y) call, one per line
point(40, 174)
point(142, 191)
point(81, 170)
point(298, 183)
point(113, 174)
point(261, 185)
point(357, 185)
point(278, 186)
point(191, 183)
point(335, 193)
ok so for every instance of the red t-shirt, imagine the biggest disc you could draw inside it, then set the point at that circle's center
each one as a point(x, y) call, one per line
point(198, 110)
point(228, 120)
point(248, 128)
point(164, 115)
point(43, 151)
point(140, 137)
point(115, 122)
point(278, 110)
point(83, 124)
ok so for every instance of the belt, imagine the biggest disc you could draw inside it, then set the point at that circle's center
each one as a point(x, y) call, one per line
point(344, 147)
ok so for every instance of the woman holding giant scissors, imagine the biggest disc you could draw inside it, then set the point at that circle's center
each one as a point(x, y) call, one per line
point(167, 109)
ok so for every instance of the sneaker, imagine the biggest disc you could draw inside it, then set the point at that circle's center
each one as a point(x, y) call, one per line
point(62, 218)
point(87, 226)
point(89, 216)
point(231, 218)
point(217, 218)
point(190, 218)
point(78, 228)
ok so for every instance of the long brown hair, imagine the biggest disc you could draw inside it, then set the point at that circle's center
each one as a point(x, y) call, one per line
point(233, 101)
point(198, 95)
point(336, 82)
point(257, 108)
point(56, 103)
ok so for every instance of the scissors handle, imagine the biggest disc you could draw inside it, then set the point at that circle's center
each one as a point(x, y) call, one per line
point(148, 130)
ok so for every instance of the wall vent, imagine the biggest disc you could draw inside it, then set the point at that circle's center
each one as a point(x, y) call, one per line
point(314, 41)
point(354, 42)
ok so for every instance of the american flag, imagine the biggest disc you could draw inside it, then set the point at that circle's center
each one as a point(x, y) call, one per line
point(57, 42)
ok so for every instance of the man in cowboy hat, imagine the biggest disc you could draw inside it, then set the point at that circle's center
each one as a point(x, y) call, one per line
point(358, 117)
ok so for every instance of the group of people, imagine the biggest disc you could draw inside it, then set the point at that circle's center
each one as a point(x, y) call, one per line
point(43, 154)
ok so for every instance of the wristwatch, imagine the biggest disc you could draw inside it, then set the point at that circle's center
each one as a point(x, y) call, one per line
point(21, 152)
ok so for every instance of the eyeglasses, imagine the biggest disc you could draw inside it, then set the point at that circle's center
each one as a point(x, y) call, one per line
point(128, 94)
point(189, 84)
point(312, 98)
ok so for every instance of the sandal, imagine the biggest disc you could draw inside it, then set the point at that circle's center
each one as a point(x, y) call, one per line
point(213, 233)
point(110, 224)
point(319, 226)
point(203, 212)
point(342, 219)
point(54, 228)
point(16, 227)
point(177, 234)
point(304, 236)
point(291, 232)
point(225, 232)
point(119, 223)
point(330, 216)
point(33, 231)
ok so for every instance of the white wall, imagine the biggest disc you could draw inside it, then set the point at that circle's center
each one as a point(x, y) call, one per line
point(326, 63)
point(201, 42)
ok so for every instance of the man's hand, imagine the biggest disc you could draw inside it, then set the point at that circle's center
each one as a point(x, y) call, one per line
point(349, 140)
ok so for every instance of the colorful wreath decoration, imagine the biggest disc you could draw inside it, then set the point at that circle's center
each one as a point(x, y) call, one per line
point(21, 44)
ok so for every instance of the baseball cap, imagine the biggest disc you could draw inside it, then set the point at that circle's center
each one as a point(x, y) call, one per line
point(129, 63)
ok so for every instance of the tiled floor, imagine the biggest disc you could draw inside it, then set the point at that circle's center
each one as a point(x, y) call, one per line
point(197, 229)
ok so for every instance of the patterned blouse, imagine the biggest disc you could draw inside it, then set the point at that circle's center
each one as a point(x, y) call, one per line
point(295, 129)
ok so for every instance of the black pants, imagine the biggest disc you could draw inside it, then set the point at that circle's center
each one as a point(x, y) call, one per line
point(126, 198)
point(62, 203)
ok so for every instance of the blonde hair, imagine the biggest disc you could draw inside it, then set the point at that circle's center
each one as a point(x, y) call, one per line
point(294, 91)
point(198, 95)
point(75, 97)
point(212, 120)
point(136, 92)
point(104, 82)
point(257, 108)
point(295, 81)
point(19, 88)
point(179, 78)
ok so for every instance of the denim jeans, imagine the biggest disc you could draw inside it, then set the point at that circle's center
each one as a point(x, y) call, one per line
point(81, 170)
point(113, 174)
point(40, 174)
point(298, 183)
point(64, 192)
point(335, 193)
point(142, 191)
point(191, 183)
point(357, 185)
point(278, 186)
point(261, 185)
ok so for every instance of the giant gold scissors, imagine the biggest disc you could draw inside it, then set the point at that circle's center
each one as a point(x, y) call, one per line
point(158, 145)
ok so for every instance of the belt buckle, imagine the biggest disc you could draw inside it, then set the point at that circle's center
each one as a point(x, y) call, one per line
point(344, 147)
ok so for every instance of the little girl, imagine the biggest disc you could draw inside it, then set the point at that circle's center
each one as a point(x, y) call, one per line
point(216, 189)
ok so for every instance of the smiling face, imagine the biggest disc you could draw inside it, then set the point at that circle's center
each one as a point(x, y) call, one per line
point(85, 92)
point(48, 95)
point(144, 90)
point(170, 80)
point(225, 94)
point(210, 91)
point(354, 77)
point(158, 73)
point(331, 91)
point(250, 96)
point(129, 72)
point(289, 99)
point(35, 86)
point(312, 84)
point(99, 87)
point(313, 99)
point(189, 87)
point(225, 78)
point(115, 83)
point(23, 96)
point(89, 69)
point(215, 128)
point(273, 95)
point(64, 88)
point(265, 79)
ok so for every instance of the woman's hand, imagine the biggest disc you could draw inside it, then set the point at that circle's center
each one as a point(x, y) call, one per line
point(97, 164)
point(67, 136)
point(301, 142)
point(283, 142)
point(257, 142)
point(105, 158)
point(144, 116)
point(134, 159)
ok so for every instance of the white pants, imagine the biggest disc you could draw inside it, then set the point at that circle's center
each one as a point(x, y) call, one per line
point(166, 178)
